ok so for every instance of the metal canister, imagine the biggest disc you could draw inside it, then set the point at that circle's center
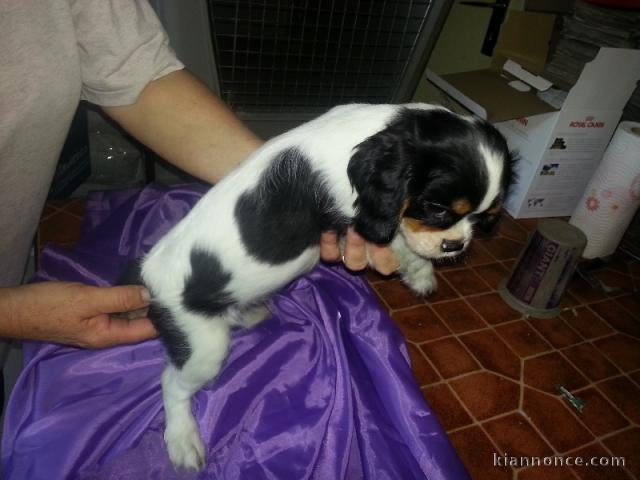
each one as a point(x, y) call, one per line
point(539, 278)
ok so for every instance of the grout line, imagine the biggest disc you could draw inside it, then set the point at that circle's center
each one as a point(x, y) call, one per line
point(606, 397)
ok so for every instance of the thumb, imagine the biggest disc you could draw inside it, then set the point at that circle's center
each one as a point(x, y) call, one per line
point(119, 299)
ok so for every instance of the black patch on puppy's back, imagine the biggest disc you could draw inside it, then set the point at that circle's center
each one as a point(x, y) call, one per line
point(288, 209)
point(173, 338)
point(204, 289)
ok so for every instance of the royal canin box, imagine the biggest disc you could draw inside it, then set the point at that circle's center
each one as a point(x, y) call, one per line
point(559, 148)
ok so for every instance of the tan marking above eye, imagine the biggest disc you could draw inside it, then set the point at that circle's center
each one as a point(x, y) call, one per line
point(416, 226)
point(461, 206)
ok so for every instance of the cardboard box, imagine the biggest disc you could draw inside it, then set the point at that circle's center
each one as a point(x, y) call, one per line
point(559, 148)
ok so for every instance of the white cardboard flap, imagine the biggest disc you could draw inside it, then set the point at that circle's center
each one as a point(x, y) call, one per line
point(536, 81)
point(607, 82)
point(457, 95)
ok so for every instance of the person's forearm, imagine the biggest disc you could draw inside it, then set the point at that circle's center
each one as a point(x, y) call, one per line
point(8, 313)
point(182, 121)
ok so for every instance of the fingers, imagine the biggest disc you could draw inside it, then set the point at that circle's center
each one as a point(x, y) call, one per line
point(329, 247)
point(382, 259)
point(358, 253)
point(118, 331)
point(355, 252)
point(118, 299)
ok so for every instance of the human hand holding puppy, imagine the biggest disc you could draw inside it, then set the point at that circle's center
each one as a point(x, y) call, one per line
point(75, 314)
point(357, 253)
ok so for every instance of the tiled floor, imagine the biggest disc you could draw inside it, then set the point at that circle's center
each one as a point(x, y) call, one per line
point(491, 375)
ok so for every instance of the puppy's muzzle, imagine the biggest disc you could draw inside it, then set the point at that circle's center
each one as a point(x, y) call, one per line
point(451, 246)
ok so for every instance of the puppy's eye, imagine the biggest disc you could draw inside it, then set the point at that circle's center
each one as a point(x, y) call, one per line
point(437, 215)
point(437, 210)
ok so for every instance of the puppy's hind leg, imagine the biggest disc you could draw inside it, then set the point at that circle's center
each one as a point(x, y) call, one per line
point(208, 345)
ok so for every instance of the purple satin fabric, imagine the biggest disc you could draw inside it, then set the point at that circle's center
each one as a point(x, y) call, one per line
point(322, 390)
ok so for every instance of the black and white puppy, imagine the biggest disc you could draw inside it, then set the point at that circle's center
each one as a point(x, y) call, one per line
point(415, 176)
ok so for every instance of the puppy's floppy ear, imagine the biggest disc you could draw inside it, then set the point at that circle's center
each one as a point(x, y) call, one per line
point(379, 171)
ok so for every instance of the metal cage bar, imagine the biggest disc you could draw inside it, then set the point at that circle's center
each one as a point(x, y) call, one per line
point(293, 56)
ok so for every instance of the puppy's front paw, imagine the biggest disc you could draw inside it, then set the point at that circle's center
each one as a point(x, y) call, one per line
point(185, 447)
point(423, 282)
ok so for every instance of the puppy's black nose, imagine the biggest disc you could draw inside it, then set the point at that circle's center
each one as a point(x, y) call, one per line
point(452, 245)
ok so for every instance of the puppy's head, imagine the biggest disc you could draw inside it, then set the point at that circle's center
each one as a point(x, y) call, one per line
point(432, 175)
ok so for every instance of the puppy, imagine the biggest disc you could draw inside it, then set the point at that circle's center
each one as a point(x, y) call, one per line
point(415, 176)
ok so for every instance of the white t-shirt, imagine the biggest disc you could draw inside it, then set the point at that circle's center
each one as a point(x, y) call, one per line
point(53, 53)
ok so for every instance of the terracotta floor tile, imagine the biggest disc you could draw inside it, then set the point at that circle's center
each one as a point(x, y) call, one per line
point(614, 279)
point(458, 316)
point(507, 227)
point(444, 292)
point(598, 414)
point(620, 262)
point(588, 359)
point(47, 211)
point(75, 207)
point(420, 324)
point(586, 323)
point(568, 301)
point(493, 353)
point(546, 473)
point(556, 331)
point(486, 394)
point(397, 295)
point(529, 224)
point(561, 429)
point(493, 309)
point(626, 444)
point(522, 338)
point(492, 273)
point(634, 268)
point(449, 357)
point(621, 350)
point(509, 264)
point(515, 436)
point(503, 248)
point(447, 407)
point(624, 394)
point(579, 288)
point(466, 281)
point(374, 277)
point(631, 303)
point(61, 228)
point(423, 371)
point(58, 204)
point(477, 255)
point(477, 453)
point(618, 317)
point(589, 472)
point(547, 371)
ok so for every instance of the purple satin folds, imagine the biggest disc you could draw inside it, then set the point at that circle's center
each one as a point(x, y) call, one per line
point(322, 390)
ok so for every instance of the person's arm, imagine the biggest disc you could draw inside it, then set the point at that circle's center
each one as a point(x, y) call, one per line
point(74, 314)
point(179, 118)
point(184, 122)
